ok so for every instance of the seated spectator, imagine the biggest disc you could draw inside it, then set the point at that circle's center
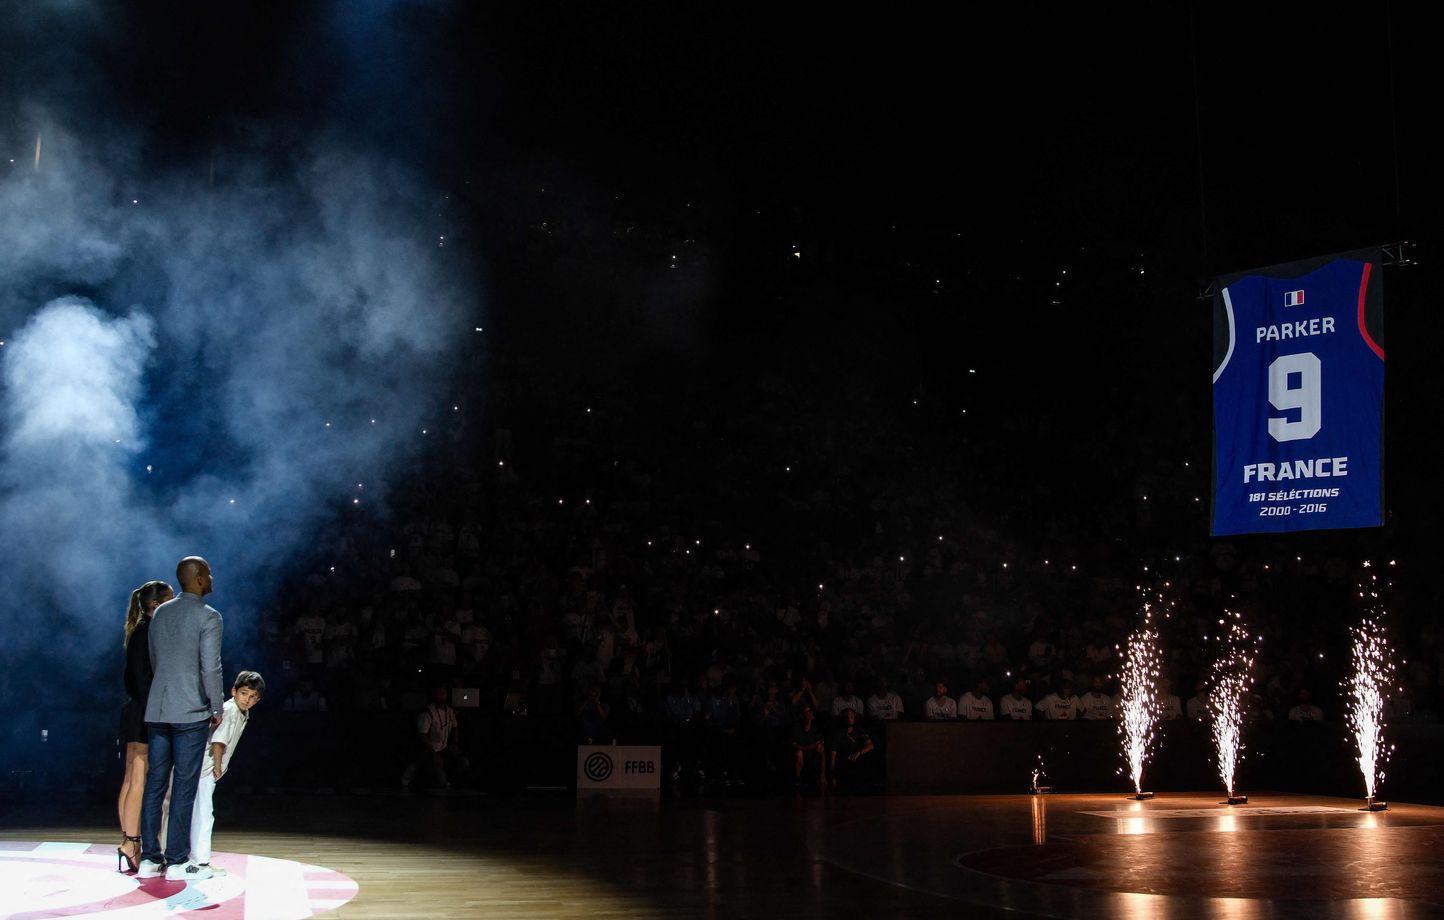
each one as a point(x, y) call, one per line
point(1097, 704)
point(850, 767)
point(976, 705)
point(1061, 705)
point(809, 748)
point(1254, 709)
point(1304, 710)
point(884, 705)
point(1016, 705)
point(940, 707)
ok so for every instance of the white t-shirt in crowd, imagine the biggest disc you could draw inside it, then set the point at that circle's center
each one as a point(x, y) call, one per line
point(974, 707)
point(1197, 708)
point(1097, 705)
point(887, 708)
point(1169, 707)
point(1016, 707)
point(940, 710)
point(1055, 707)
point(1306, 712)
point(436, 722)
point(313, 635)
point(840, 702)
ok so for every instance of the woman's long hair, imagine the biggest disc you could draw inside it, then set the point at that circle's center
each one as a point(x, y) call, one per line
point(139, 598)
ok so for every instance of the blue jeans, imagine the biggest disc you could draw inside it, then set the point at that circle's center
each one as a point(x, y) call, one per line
point(182, 746)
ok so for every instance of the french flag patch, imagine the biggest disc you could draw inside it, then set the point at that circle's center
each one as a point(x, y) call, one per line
point(1294, 298)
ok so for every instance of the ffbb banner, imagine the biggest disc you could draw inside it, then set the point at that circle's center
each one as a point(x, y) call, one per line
point(1298, 396)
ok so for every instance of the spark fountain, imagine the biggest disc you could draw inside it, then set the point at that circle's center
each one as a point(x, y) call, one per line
point(1138, 705)
point(1038, 774)
point(1231, 680)
point(1373, 670)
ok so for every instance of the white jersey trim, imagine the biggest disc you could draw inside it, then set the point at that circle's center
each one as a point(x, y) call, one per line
point(1228, 309)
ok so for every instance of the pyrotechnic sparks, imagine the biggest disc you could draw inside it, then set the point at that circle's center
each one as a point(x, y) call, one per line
point(1372, 674)
point(1232, 677)
point(1138, 705)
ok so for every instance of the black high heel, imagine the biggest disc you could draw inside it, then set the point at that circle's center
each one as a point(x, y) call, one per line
point(122, 858)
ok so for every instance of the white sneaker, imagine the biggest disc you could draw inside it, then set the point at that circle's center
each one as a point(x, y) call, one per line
point(149, 869)
point(188, 872)
point(216, 871)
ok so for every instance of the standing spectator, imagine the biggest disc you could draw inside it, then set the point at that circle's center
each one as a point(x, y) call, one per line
point(1016, 705)
point(940, 707)
point(1061, 705)
point(976, 705)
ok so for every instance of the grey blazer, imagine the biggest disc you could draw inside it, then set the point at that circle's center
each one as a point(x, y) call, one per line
point(185, 652)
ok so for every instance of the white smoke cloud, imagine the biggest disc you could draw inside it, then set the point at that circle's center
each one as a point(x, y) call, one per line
point(192, 365)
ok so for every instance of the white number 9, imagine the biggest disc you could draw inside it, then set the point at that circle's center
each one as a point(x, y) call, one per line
point(1307, 397)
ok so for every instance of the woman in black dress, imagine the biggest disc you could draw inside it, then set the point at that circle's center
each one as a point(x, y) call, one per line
point(143, 601)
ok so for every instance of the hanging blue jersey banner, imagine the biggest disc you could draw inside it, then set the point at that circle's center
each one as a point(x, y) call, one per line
point(1298, 396)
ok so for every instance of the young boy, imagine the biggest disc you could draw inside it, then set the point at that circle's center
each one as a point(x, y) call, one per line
point(245, 693)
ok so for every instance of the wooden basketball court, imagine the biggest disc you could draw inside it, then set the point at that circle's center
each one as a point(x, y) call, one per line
point(552, 855)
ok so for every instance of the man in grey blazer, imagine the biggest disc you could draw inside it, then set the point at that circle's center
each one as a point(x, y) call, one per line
point(185, 700)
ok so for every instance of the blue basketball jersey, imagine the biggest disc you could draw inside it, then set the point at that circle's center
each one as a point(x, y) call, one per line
point(1298, 400)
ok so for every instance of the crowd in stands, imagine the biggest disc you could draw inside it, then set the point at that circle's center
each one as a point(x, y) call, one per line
point(764, 611)
point(761, 558)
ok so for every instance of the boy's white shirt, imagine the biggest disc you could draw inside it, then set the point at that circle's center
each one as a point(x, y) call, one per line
point(233, 723)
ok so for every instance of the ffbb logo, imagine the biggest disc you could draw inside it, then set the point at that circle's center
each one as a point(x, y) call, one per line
point(597, 767)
